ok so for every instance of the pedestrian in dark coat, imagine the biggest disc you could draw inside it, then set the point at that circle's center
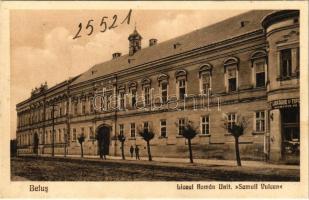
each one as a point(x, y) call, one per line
point(131, 151)
point(137, 152)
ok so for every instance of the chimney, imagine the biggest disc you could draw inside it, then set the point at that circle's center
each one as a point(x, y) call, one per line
point(152, 42)
point(244, 23)
point(116, 55)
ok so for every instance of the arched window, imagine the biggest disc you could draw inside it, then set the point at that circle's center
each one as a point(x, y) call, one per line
point(146, 84)
point(231, 74)
point(181, 79)
point(258, 66)
point(163, 84)
point(205, 73)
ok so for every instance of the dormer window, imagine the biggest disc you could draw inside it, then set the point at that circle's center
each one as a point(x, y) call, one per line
point(205, 78)
point(231, 74)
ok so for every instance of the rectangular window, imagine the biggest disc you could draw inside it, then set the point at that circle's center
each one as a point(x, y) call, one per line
point(147, 95)
point(231, 79)
point(82, 132)
point(50, 137)
point(64, 135)
point(91, 133)
point(83, 107)
point(286, 62)
point(122, 100)
point(182, 88)
point(121, 129)
point(205, 83)
point(59, 136)
point(260, 74)
point(74, 136)
point(163, 128)
point(108, 102)
point(205, 125)
point(133, 98)
point(146, 126)
point(181, 126)
point(231, 120)
point(133, 130)
point(75, 108)
point(260, 121)
point(91, 104)
point(164, 92)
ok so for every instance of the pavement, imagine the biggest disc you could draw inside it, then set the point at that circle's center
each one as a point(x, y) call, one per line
point(158, 160)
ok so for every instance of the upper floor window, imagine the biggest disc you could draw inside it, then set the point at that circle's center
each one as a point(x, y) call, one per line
point(286, 63)
point(231, 74)
point(205, 125)
point(91, 105)
point(259, 73)
point(163, 128)
point(258, 60)
point(146, 84)
point(122, 100)
point(75, 108)
point(164, 92)
point(181, 77)
point(205, 78)
point(163, 83)
point(260, 121)
point(132, 89)
point(83, 107)
point(182, 88)
point(147, 95)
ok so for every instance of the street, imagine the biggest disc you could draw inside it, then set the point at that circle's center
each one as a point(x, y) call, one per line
point(76, 169)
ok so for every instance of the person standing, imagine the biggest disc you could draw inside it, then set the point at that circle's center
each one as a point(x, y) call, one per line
point(137, 152)
point(131, 151)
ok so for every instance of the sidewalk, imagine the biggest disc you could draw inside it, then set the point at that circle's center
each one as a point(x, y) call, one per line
point(157, 160)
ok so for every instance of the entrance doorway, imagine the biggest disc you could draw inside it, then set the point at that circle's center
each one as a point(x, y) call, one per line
point(103, 140)
point(290, 134)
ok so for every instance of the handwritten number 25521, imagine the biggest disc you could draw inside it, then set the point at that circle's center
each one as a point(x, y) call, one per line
point(103, 24)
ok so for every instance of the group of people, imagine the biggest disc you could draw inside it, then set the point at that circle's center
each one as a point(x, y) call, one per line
point(136, 150)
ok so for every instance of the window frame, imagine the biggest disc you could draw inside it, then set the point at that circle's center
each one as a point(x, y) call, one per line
point(206, 124)
point(163, 127)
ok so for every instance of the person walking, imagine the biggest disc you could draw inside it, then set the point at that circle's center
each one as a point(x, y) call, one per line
point(131, 151)
point(137, 152)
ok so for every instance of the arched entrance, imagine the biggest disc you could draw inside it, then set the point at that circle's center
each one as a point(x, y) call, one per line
point(103, 134)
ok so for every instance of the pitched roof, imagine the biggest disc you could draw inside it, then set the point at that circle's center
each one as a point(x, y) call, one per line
point(202, 37)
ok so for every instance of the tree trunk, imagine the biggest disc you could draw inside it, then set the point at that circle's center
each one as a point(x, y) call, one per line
point(237, 152)
point(190, 150)
point(82, 150)
point(149, 153)
point(122, 151)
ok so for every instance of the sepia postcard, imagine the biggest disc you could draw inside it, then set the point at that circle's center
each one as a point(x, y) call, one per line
point(154, 99)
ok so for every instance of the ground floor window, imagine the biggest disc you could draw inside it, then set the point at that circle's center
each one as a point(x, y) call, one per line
point(181, 126)
point(205, 125)
point(163, 128)
point(260, 121)
point(74, 134)
point(132, 130)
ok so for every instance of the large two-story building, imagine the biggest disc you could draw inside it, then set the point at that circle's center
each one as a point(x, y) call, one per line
point(246, 66)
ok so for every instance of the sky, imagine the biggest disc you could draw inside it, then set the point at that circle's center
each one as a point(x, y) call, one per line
point(43, 49)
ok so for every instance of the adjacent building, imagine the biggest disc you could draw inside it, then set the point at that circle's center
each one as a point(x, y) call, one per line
point(246, 66)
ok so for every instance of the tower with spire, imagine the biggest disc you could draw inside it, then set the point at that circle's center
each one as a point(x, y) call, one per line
point(135, 40)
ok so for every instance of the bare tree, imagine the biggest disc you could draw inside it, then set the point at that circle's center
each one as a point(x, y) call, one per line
point(81, 140)
point(189, 132)
point(236, 129)
point(147, 135)
point(122, 138)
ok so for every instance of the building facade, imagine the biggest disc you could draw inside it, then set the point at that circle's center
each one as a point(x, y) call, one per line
point(246, 66)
